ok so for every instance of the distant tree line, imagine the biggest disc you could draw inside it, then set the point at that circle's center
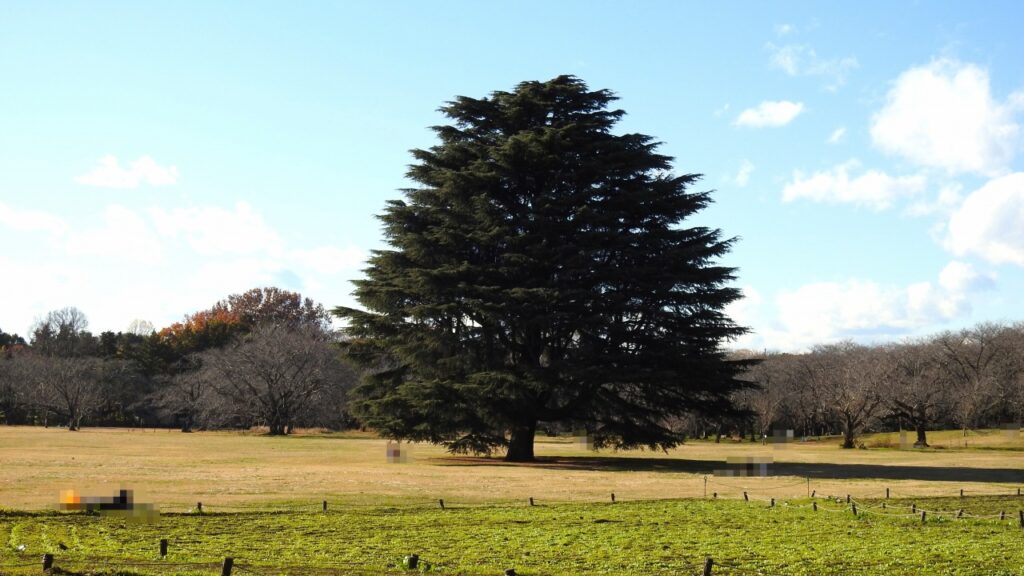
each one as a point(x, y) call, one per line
point(267, 357)
point(967, 379)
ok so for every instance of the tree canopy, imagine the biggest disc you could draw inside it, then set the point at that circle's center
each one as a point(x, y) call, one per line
point(540, 272)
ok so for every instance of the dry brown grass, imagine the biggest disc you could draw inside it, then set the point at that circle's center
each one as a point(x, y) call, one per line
point(175, 470)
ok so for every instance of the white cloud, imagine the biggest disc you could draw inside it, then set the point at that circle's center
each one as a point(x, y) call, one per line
point(770, 114)
point(872, 188)
point(990, 222)
point(103, 264)
point(949, 199)
point(867, 311)
point(742, 177)
point(124, 236)
point(799, 60)
point(943, 115)
point(784, 29)
point(109, 173)
point(31, 220)
point(837, 135)
point(212, 230)
point(745, 312)
point(330, 259)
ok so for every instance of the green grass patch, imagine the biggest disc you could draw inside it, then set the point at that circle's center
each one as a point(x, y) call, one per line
point(626, 538)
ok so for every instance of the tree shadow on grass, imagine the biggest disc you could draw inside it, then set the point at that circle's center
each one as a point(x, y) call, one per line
point(710, 467)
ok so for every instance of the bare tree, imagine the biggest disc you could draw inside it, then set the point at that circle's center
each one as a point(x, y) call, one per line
point(850, 379)
point(919, 389)
point(276, 374)
point(774, 385)
point(971, 358)
point(62, 332)
point(69, 387)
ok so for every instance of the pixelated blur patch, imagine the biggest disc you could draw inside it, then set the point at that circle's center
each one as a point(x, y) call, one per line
point(745, 466)
point(780, 437)
point(122, 504)
point(396, 453)
point(583, 440)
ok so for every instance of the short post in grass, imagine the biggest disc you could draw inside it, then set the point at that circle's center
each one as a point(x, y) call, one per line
point(1021, 512)
point(225, 568)
point(886, 492)
point(924, 516)
point(772, 504)
point(961, 492)
point(613, 497)
point(847, 498)
point(705, 486)
point(47, 562)
point(441, 502)
point(745, 497)
point(814, 506)
point(1002, 515)
point(199, 507)
point(708, 565)
point(325, 505)
point(714, 495)
point(1018, 491)
point(531, 500)
point(913, 508)
point(814, 493)
point(883, 505)
point(163, 547)
point(854, 508)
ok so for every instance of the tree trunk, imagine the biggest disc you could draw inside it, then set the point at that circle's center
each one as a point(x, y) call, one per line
point(520, 443)
point(922, 439)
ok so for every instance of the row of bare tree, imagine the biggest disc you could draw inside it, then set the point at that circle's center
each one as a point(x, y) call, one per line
point(263, 358)
point(967, 379)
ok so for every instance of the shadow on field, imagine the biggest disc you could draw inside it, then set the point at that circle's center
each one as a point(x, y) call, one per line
point(816, 470)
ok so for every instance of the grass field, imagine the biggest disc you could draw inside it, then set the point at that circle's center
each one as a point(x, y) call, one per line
point(261, 500)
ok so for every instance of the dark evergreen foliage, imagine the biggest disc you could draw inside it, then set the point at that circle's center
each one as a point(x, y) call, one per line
point(540, 273)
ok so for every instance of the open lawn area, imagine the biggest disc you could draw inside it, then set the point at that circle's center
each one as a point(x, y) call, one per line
point(175, 470)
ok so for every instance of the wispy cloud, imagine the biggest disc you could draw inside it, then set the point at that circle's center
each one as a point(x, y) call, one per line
point(108, 173)
point(770, 114)
point(742, 177)
point(802, 60)
point(872, 188)
point(837, 135)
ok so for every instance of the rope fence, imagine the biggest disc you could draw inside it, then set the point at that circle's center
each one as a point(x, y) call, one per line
point(875, 503)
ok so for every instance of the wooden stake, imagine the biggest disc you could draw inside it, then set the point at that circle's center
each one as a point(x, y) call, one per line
point(613, 497)
point(531, 500)
point(708, 564)
point(745, 497)
point(225, 569)
point(199, 507)
point(854, 507)
point(325, 505)
point(441, 502)
point(772, 505)
point(887, 493)
point(163, 547)
point(924, 515)
point(814, 506)
point(1002, 515)
point(47, 562)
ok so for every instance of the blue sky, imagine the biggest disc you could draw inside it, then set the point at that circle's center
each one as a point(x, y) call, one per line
point(156, 157)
